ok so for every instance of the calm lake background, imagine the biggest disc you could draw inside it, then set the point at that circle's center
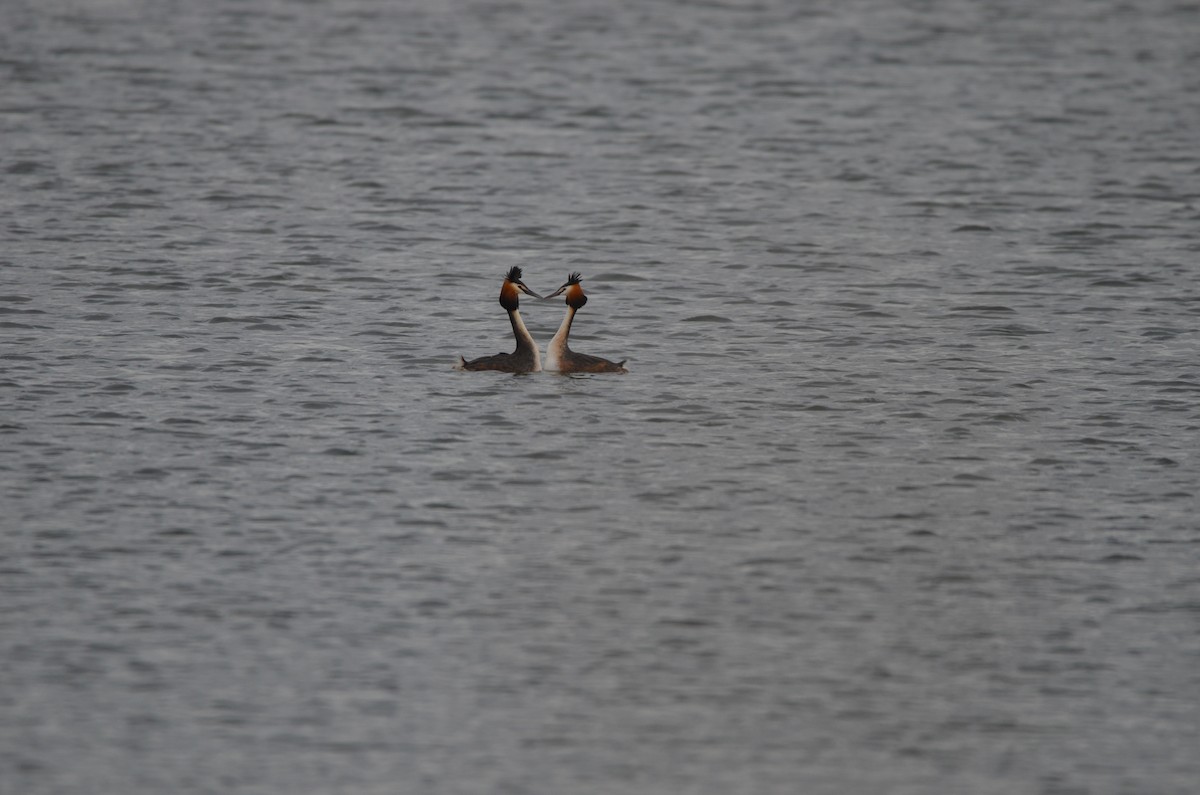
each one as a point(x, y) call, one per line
point(899, 495)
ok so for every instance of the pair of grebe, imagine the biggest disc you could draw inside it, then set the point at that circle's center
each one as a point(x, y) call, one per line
point(526, 358)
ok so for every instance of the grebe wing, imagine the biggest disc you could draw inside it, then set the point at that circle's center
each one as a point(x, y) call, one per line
point(519, 362)
point(584, 363)
point(501, 361)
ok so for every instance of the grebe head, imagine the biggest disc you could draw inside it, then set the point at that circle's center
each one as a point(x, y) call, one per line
point(574, 290)
point(510, 299)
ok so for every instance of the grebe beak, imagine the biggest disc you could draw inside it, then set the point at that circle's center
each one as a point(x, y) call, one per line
point(526, 290)
point(559, 291)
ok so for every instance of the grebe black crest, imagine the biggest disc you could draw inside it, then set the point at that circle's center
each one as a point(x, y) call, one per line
point(526, 358)
point(559, 355)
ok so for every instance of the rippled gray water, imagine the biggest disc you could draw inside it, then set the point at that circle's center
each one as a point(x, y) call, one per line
point(898, 497)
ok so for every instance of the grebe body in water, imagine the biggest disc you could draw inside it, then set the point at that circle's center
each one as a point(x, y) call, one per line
point(559, 355)
point(526, 358)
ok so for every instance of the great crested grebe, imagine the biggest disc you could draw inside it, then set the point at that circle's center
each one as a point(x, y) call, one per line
point(526, 358)
point(562, 358)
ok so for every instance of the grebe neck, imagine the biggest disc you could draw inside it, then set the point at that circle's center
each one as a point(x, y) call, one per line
point(525, 343)
point(558, 343)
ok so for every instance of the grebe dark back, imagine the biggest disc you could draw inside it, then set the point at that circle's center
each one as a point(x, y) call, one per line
point(526, 358)
point(559, 355)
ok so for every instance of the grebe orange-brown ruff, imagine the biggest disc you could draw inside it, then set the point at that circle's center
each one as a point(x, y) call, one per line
point(526, 358)
point(562, 358)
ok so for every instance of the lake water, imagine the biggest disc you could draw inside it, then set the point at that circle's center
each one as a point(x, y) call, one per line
point(898, 496)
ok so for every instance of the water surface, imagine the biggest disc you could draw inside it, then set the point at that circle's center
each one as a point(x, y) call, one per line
point(898, 495)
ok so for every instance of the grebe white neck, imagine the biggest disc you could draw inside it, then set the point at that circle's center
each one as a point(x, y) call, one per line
point(558, 343)
point(525, 343)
